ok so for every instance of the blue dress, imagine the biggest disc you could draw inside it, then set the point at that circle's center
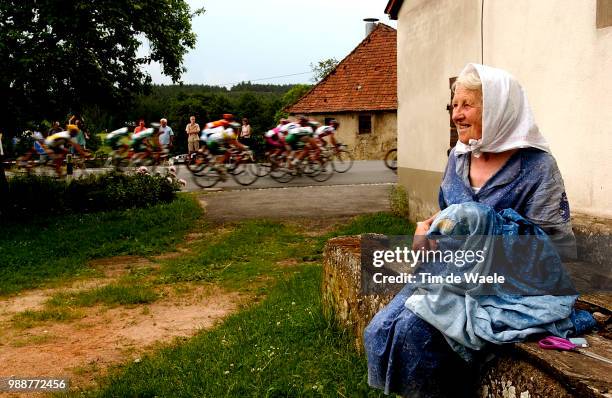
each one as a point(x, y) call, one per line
point(408, 356)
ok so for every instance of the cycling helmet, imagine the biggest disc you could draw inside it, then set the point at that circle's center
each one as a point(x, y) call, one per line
point(334, 123)
point(72, 128)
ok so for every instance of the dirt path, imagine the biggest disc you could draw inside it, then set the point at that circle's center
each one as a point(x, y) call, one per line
point(84, 348)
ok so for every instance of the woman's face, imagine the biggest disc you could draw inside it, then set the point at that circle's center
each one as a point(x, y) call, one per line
point(467, 114)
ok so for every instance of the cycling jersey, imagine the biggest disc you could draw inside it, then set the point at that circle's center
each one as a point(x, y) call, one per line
point(58, 139)
point(221, 135)
point(138, 139)
point(275, 137)
point(286, 127)
point(324, 131)
point(112, 139)
point(217, 138)
point(298, 136)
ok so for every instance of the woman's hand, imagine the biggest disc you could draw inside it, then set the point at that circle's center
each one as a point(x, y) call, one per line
point(420, 242)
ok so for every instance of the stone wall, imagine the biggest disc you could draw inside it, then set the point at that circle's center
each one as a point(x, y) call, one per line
point(519, 371)
point(370, 146)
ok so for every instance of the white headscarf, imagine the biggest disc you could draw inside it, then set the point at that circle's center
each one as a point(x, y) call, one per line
point(507, 120)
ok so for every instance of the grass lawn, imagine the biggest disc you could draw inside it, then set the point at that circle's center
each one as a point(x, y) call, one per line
point(58, 247)
point(282, 346)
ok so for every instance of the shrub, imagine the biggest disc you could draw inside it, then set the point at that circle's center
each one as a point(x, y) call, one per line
point(33, 195)
point(398, 201)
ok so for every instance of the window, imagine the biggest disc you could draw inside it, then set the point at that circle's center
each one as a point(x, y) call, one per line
point(604, 13)
point(365, 124)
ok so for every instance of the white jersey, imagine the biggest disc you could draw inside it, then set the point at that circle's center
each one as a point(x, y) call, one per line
point(289, 126)
point(301, 130)
point(324, 130)
point(58, 139)
point(220, 135)
point(117, 133)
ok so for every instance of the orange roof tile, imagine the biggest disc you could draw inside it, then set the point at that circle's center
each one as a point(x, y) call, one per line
point(366, 80)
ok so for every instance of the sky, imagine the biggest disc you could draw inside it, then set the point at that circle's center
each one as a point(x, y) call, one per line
point(249, 40)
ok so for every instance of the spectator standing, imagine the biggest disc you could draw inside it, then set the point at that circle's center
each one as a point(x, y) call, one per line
point(141, 126)
point(55, 128)
point(193, 135)
point(245, 132)
point(166, 135)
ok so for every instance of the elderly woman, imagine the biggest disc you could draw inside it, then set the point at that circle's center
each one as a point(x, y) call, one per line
point(501, 170)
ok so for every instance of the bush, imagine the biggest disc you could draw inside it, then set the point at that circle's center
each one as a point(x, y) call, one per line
point(398, 201)
point(33, 195)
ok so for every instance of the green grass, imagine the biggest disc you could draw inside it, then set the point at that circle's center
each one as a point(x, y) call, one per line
point(236, 258)
point(377, 223)
point(114, 294)
point(31, 318)
point(59, 247)
point(282, 347)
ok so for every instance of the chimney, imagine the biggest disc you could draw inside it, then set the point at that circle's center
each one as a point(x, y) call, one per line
point(370, 25)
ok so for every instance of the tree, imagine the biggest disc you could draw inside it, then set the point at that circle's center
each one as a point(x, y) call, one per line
point(290, 98)
point(60, 57)
point(323, 68)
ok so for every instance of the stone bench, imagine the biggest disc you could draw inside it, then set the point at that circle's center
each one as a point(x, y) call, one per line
point(521, 370)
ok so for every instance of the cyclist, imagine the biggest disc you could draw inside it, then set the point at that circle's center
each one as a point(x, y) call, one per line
point(327, 131)
point(60, 143)
point(140, 145)
point(37, 148)
point(117, 141)
point(220, 140)
point(275, 138)
point(301, 139)
point(114, 139)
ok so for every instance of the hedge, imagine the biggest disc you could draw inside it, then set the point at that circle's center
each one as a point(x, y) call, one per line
point(32, 195)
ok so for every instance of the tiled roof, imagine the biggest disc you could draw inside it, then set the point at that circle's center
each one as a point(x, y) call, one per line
point(366, 80)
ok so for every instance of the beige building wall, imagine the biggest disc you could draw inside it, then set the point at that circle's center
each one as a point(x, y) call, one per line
point(555, 51)
point(365, 146)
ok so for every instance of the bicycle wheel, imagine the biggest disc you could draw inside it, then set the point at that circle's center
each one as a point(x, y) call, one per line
point(391, 159)
point(281, 174)
point(245, 173)
point(207, 178)
point(324, 172)
point(342, 161)
point(198, 163)
point(263, 167)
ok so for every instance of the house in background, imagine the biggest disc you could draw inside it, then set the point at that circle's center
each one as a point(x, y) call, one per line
point(361, 93)
point(561, 53)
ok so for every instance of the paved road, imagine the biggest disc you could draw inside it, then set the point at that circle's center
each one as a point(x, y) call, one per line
point(363, 172)
point(363, 189)
point(296, 202)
